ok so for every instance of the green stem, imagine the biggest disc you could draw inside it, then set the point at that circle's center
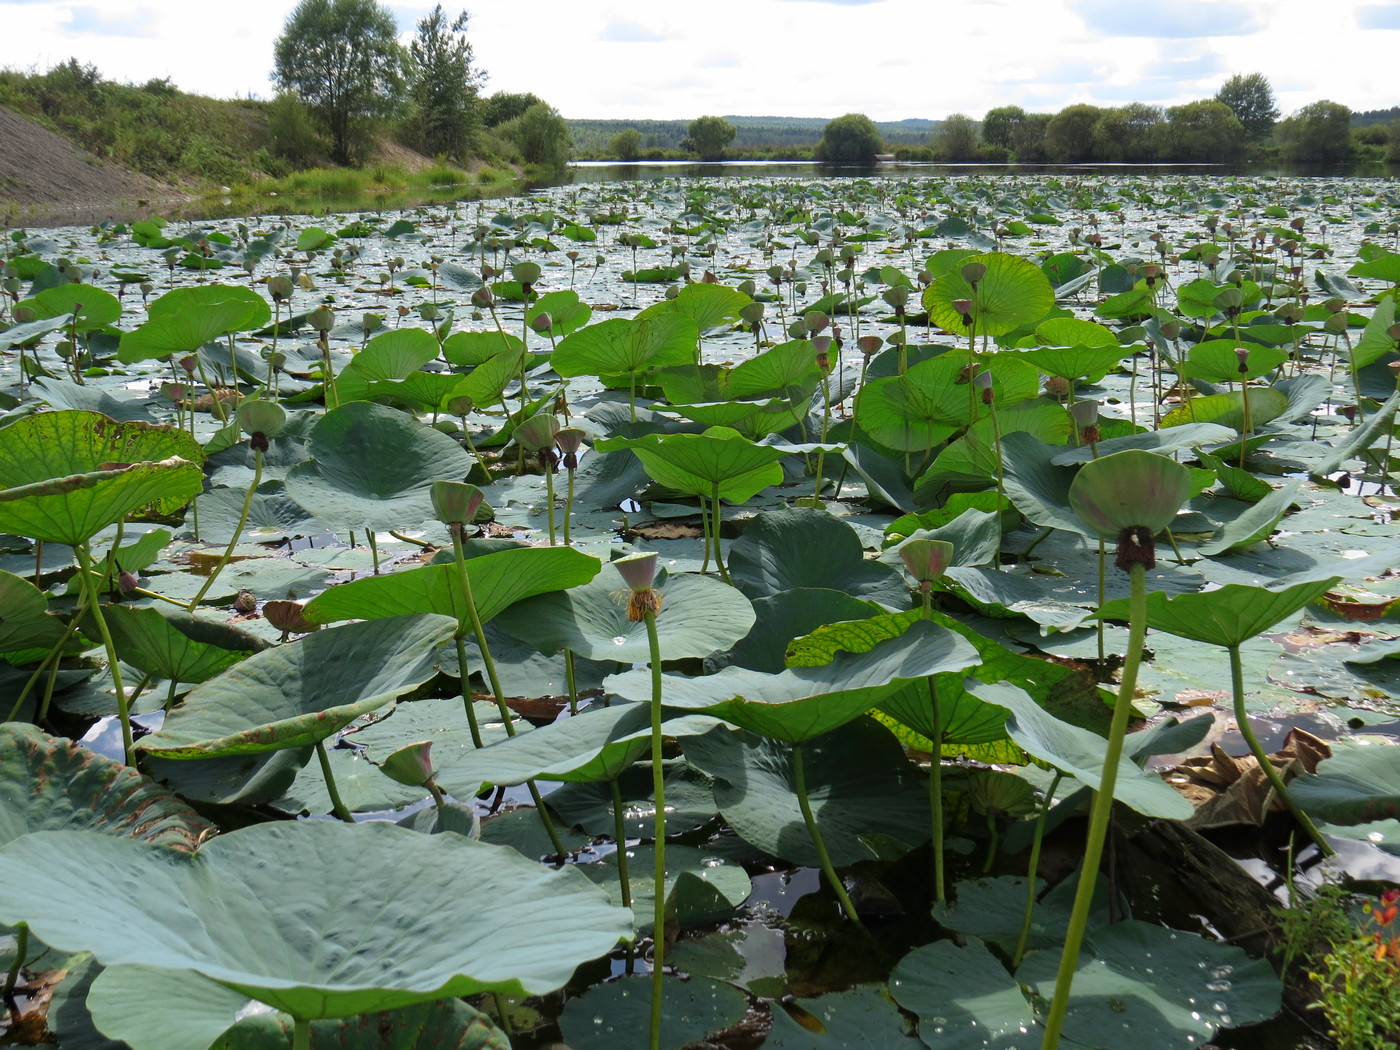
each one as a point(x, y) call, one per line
point(799, 772)
point(568, 509)
point(93, 603)
point(337, 806)
point(467, 690)
point(1102, 808)
point(658, 787)
point(502, 1016)
point(935, 795)
point(54, 654)
point(549, 495)
point(716, 519)
point(620, 837)
point(571, 681)
point(1265, 766)
point(237, 532)
point(1032, 868)
point(301, 1033)
point(21, 950)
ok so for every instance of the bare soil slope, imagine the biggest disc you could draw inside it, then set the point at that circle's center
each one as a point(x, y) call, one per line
point(41, 171)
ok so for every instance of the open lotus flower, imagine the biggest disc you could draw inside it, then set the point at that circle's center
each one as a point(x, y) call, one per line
point(1130, 496)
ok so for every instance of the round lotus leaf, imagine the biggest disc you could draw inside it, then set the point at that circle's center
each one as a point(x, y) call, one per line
point(784, 549)
point(1010, 293)
point(71, 474)
point(50, 783)
point(304, 691)
point(183, 320)
point(356, 943)
point(374, 466)
point(26, 622)
point(964, 998)
point(618, 1014)
point(176, 645)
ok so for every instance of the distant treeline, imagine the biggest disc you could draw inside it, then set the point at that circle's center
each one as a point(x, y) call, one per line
point(593, 137)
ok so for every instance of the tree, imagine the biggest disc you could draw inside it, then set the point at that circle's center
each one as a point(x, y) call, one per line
point(957, 138)
point(852, 137)
point(541, 135)
point(1251, 98)
point(504, 106)
point(1028, 138)
point(1318, 133)
point(445, 86)
point(710, 136)
point(1205, 131)
point(626, 145)
point(343, 59)
point(1069, 137)
point(1127, 134)
point(290, 132)
point(999, 125)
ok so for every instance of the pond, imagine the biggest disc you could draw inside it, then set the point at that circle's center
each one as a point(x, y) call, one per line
point(659, 532)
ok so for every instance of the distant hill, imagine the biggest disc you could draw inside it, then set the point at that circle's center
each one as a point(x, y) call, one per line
point(593, 136)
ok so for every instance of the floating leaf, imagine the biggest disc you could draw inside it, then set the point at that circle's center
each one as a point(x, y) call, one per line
point(781, 550)
point(964, 998)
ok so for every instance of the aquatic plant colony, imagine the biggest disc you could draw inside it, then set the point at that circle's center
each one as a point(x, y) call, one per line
point(693, 612)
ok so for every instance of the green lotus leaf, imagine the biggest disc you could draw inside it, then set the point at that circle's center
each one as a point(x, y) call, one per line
point(470, 349)
point(1080, 753)
point(627, 345)
point(1356, 785)
point(1129, 489)
point(787, 615)
point(1362, 438)
point(720, 462)
point(1011, 293)
point(1075, 362)
point(566, 312)
point(1143, 986)
point(1216, 361)
point(150, 1008)
point(93, 307)
point(305, 691)
point(26, 623)
point(1228, 615)
point(498, 580)
point(374, 466)
point(708, 305)
point(702, 886)
point(52, 783)
point(858, 780)
point(963, 997)
point(800, 703)
point(1065, 332)
point(698, 616)
point(781, 550)
point(486, 384)
point(66, 475)
point(183, 320)
point(788, 369)
point(1256, 523)
point(1187, 435)
point(176, 645)
point(223, 912)
point(1227, 410)
point(617, 1014)
point(597, 744)
point(395, 354)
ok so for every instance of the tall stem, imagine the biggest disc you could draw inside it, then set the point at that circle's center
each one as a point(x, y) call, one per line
point(237, 532)
point(1102, 808)
point(114, 665)
point(799, 773)
point(568, 508)
point(21, 950)
point(716, 519)
point(301, 1034)
point(620, 837)
point(337, 806)
point(1265, 766)
point(935, 795)
point(1031, 870)
point(658, 787)
point(467, 689)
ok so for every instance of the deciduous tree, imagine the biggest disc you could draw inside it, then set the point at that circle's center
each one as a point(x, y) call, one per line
point(957, 138)
point(1318, 133)
point(343, 59)
point(445, 86)
point(710, 136)
point(1251, 98)
point(852, 137)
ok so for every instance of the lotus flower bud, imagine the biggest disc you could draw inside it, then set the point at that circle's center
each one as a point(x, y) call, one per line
point(456, 502)
point(280, 287)
point(926, 560)
point(537, 432)
point(322, 319)
point(869, 345)
point(543, 322)
point(483, 298)
point(411, 764)
point(1130, 496)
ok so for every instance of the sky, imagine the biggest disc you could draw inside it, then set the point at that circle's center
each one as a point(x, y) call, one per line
point(890, 59)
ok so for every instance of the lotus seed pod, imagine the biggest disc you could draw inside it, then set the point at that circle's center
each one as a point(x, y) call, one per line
point(897, 297)
point(246, 603)
point(797, 329)
point(639, 573)
point(411, 764)
point(1056, 386)
point(527, 273)
point(815, 321)
point(752, 313)
point(265, 417)
point(964, 308)
point(460, 405)
point(569, 441)
point(280, 287)
point(483, 298)
point(1130, 496)
point(322, 319)
point(542, 323)
point(537, 432)
point(926, 560)
point(869, 345)
point(456, 502)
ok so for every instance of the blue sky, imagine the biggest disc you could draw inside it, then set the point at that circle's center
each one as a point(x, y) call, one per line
point(891, 59)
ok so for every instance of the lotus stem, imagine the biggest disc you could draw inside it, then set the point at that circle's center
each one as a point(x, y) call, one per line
point(658, 786)
point(935, 795)
point(716, 517)
point(1102, 808)
point(571, 681)
point(114, 665)
point(301, 1033)
point(467, 689)
point(21, 950)
point(502, 1016)
point(373, 547)
point(1031, 870)
point(568, 509)
point(337, 806)
point(1266, 767)
point(799, 773)
point(620, 837)
point(237, 532)
point(50, 659)
point(549, 494)
point(464, 579)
